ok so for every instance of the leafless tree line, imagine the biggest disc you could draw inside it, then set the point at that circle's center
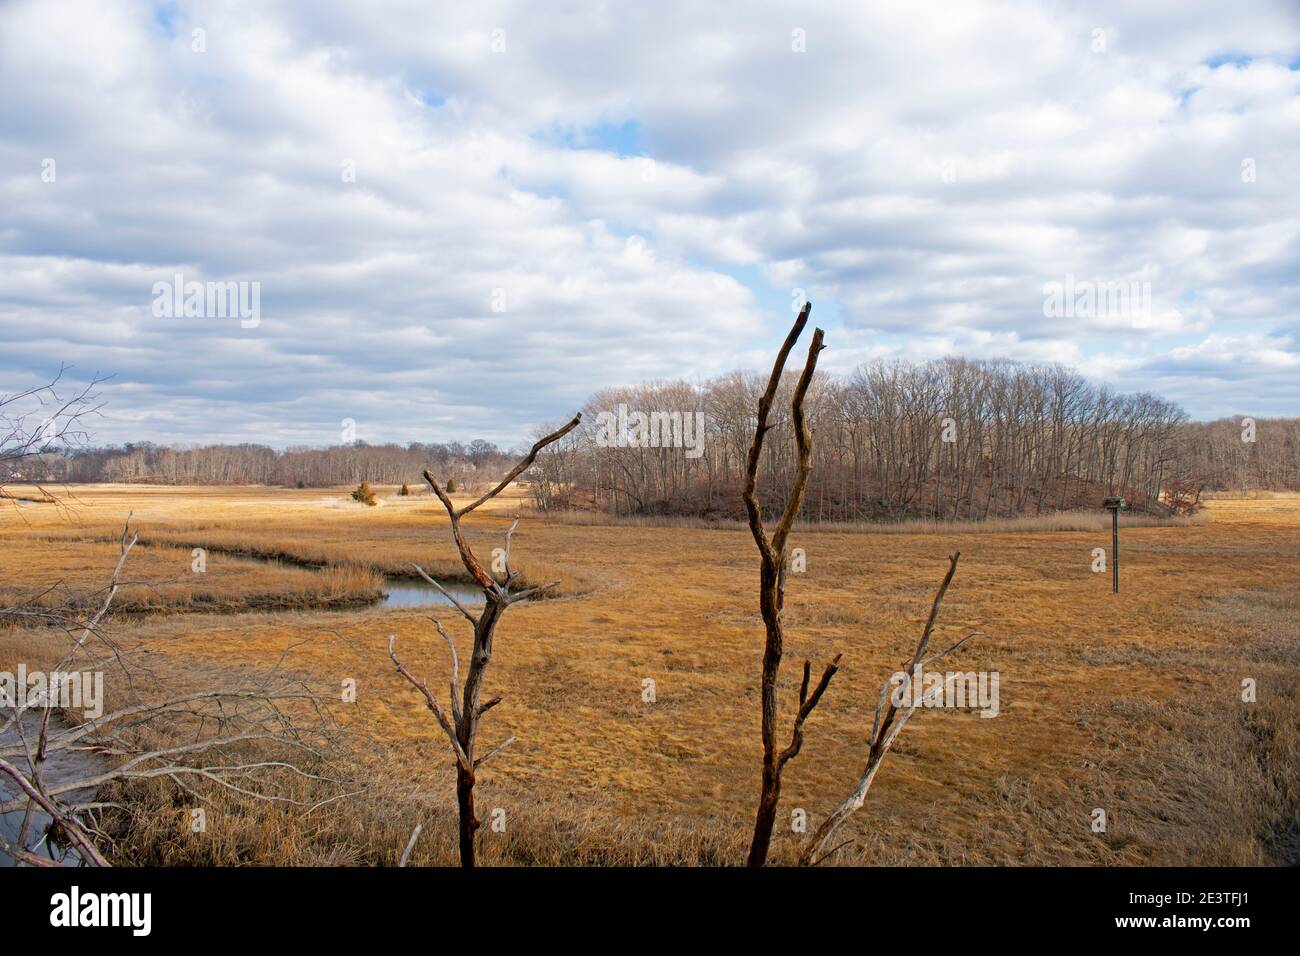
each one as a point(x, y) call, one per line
point(948, 439)
point(261, 465)
point(1241, 454)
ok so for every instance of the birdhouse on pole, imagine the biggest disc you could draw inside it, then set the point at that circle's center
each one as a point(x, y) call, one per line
point(1114, 506)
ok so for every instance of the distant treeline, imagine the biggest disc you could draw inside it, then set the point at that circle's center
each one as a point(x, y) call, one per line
point(947, 439)
point(261, 465)
point(1242, 454)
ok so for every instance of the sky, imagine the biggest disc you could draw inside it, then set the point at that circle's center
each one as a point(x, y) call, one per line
point(461, 220)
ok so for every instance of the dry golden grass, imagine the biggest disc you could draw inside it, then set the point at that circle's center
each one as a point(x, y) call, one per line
point(1129, 703)
point(1054, 521)
point(161, 578)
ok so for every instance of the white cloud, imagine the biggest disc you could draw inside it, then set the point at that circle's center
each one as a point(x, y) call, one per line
point(922, 170)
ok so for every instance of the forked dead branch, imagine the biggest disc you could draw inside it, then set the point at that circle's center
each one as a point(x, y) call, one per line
point(771, 593)
point(460, 722)
point(773, 563)
point(888, 724)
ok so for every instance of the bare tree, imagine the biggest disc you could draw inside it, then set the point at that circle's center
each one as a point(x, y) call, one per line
point(771, 590)
point(461, 727)
point(40, 421)
point(950, 439)
point(888, 724)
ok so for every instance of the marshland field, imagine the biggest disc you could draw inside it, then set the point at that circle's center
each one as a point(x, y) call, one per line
point(1130, 703)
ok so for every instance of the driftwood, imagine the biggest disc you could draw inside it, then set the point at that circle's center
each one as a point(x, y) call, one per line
point(460, 721)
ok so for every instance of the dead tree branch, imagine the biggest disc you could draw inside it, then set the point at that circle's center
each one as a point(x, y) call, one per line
point(771, 594)
point(887, 725)
point(498, 594)
point(201, 736)
point(46, 420)
point(410, 844)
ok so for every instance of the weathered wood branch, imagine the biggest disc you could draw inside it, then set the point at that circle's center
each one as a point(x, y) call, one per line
point(410, 844)
point(772, 564)
point(67, 821)
point(520, 468)
point(432, 703)
point(184, 736)
point(494, 751)
point(447, 594)
point(806, 705)
point(498, 594)
point(760, 431)
point(886, 726)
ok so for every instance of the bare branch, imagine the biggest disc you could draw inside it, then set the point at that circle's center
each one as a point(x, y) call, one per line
point(520, 468)
point(494, 751)
point(803, 444)
point(771, 593)
point(806, 705)
point(70, 824)
point(447, 594)
point(510, 533)
point(462, 729)
point(925, 635)
point(760, 432)
point(432, 703)
point(884, 730)
point(455, 672)
point(410, 844)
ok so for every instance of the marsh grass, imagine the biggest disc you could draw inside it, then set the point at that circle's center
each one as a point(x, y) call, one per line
point(307, 552)
point(371, 829)
point(1056, 521)
point(1131, 704)
point(162, 579)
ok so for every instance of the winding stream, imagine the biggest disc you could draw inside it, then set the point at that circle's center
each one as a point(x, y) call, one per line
point(405, 592)
point(62, 765)
point(398, 592)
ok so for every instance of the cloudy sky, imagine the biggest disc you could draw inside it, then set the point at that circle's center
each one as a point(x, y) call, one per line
point(463, 218)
